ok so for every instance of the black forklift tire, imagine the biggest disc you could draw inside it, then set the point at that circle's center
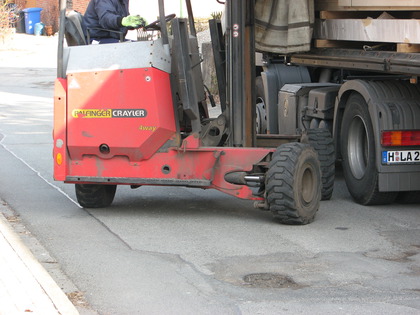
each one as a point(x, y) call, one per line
point(359, 154)
point(293, 184)
point(323, 143)
point(95, 195)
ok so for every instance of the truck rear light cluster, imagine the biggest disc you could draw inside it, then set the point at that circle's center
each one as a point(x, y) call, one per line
point(400, 138)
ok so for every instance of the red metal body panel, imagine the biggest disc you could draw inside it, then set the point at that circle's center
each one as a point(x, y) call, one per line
point(201, 167)
point(60, 129)
point(129, 110)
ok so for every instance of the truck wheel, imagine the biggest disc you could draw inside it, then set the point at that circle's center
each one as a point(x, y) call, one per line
point(95, 195)
point(322, 141)
point(358, 152)
point(261, 124)
point(293, 183)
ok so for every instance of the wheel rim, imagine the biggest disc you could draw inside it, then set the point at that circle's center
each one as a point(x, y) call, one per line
point(308, 185)
point(358, 147)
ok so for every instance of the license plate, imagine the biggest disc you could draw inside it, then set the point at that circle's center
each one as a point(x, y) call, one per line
point(400, 157)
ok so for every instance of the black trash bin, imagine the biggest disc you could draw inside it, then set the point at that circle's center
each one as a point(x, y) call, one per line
point(20, 22)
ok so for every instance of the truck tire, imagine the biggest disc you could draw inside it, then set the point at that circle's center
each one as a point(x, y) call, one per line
point(293, 184)
point(259, 88)
point(323, 143)
point(359, 156)
point(95, 195)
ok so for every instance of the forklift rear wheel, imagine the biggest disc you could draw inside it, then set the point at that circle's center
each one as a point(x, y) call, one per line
point(359, 154)
point(95, 195)
point(323, 143)
point(293, 184)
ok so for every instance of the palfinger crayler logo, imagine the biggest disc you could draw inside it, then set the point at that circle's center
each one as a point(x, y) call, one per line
point(109, 113)
point(92, 113)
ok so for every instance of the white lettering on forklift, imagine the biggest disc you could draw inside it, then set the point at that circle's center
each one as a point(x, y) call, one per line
point(109, 113)
point(129, 113)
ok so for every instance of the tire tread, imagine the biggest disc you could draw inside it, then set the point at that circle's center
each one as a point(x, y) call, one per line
point(280, 184)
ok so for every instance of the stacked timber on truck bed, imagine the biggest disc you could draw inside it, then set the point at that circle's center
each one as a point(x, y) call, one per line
point(371, 22)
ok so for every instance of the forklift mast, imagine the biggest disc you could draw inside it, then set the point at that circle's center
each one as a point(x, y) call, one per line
point(240, 74)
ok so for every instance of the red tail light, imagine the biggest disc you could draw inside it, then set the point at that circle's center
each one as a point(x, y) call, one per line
point(400, 138)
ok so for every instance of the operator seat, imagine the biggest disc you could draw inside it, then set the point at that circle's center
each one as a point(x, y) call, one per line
point(76, 32)
point(74, 29)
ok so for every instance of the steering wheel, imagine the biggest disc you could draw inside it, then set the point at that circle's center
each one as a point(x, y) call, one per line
point(155, 24)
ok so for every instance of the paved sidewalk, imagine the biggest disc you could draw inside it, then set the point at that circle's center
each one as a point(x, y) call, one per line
point(25, 286)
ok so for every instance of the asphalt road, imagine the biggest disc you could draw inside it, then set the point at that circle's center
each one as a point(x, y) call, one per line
point(166, 250)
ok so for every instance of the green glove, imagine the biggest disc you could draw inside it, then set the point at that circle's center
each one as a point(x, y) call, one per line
point(134, 21)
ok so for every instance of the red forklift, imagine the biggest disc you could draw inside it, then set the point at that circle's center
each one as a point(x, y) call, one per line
point(136, 113)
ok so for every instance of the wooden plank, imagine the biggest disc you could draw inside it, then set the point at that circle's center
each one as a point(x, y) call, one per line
point(344, 2)
point(369, 30)
point(333, 15)
point(367, 5)
point(408, 48)
point(329, 7)
point(380, 3)
point(324, 43)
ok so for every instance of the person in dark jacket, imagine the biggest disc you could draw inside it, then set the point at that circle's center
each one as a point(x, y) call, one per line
point(110, 15)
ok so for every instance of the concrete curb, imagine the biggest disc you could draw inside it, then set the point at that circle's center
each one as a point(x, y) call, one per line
point(25, 286)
